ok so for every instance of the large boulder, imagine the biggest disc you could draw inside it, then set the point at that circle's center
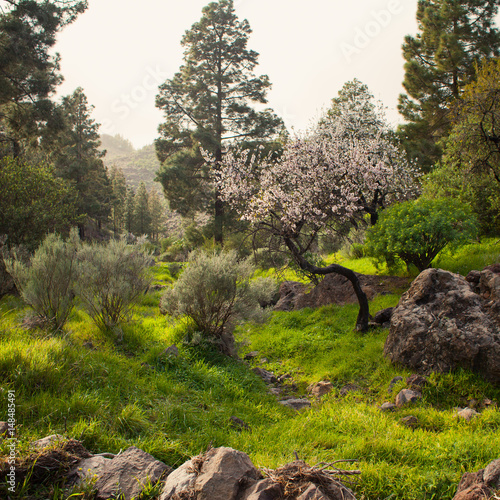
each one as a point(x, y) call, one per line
point(441, 324)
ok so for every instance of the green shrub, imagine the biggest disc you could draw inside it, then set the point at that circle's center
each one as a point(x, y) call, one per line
point(416, 231)
point(47, 282)
point(112, 278)
point(215, 291)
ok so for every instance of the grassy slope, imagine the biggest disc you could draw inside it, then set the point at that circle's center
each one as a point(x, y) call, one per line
point(112, 395)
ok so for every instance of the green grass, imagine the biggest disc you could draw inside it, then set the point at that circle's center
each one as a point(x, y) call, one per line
point(113, 394)
point(473, 256)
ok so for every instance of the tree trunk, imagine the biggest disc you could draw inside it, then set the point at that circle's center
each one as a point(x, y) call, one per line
point(364, 308)
point(219, 207)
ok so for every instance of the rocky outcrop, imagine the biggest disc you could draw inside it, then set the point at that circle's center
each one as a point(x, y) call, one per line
point(224, 473)
point(479, 485)
point(289, 291)
point(334, 289)
point(441, 324)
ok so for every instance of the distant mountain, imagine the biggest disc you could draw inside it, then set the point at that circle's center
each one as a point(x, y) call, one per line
point(137, 165)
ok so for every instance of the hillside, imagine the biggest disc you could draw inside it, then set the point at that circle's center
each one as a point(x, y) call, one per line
point(137, 165)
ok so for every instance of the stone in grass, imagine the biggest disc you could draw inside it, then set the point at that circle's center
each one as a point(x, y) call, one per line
point(237, 423)
point(416, 381)
point(296, 404)
point(467, 414)
point(388, 407)
point(128, 473)
point(407, 396)
point(4, 427)
point(410, 421)
point(393, 382)
point(251, 355)
point(348, 388)
point(267, 376)
point(321, 388)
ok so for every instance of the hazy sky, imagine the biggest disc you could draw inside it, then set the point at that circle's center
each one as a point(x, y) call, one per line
point(119, 51)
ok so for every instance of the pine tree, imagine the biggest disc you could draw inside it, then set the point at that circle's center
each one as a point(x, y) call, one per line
point(29, 73)
point(454, 37)
point(157, 211)
point(129, 217)
point(119, 189)
point(142, 215)
point(76, 155)
point(208, 103)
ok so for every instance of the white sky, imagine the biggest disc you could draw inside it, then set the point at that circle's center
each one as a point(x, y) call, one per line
point(119, 51)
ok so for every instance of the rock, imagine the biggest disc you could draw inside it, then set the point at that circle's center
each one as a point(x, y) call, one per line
point(334, 289)
point(474, 277)
point(171, 351)
point(416, 381)
point(474, 492)
point(128, 473)
point(251, 355)
point(491, 475)
point(383, 316)
point(181, 481)
point(276, 391)
point(441, 324)
point(467, 414)
point(87, 469)
point(48, 441)
point(296, 404)
point(312, 493)
point(266, 376)
point(266, 489)
point(407, 396)
point(393, 382)
point(288, 292)
point(349, 388)
point(223, 473)
point(237, 423)
point(479, 485)
point(388, 407)
point(321, 388)
point(410, 421)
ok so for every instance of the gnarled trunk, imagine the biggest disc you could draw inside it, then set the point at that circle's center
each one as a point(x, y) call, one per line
point(364, 308)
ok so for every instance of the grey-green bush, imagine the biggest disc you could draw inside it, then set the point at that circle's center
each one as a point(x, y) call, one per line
point(112, 277)
point(215, 291)
point(47, 282)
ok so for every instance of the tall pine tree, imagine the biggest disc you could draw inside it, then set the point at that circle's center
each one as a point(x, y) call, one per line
point(454, 37)
point(76, 155)
point(29, 72)
point(208, 103)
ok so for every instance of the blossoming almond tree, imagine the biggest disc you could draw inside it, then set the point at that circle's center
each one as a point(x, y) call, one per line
point(319, 182)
